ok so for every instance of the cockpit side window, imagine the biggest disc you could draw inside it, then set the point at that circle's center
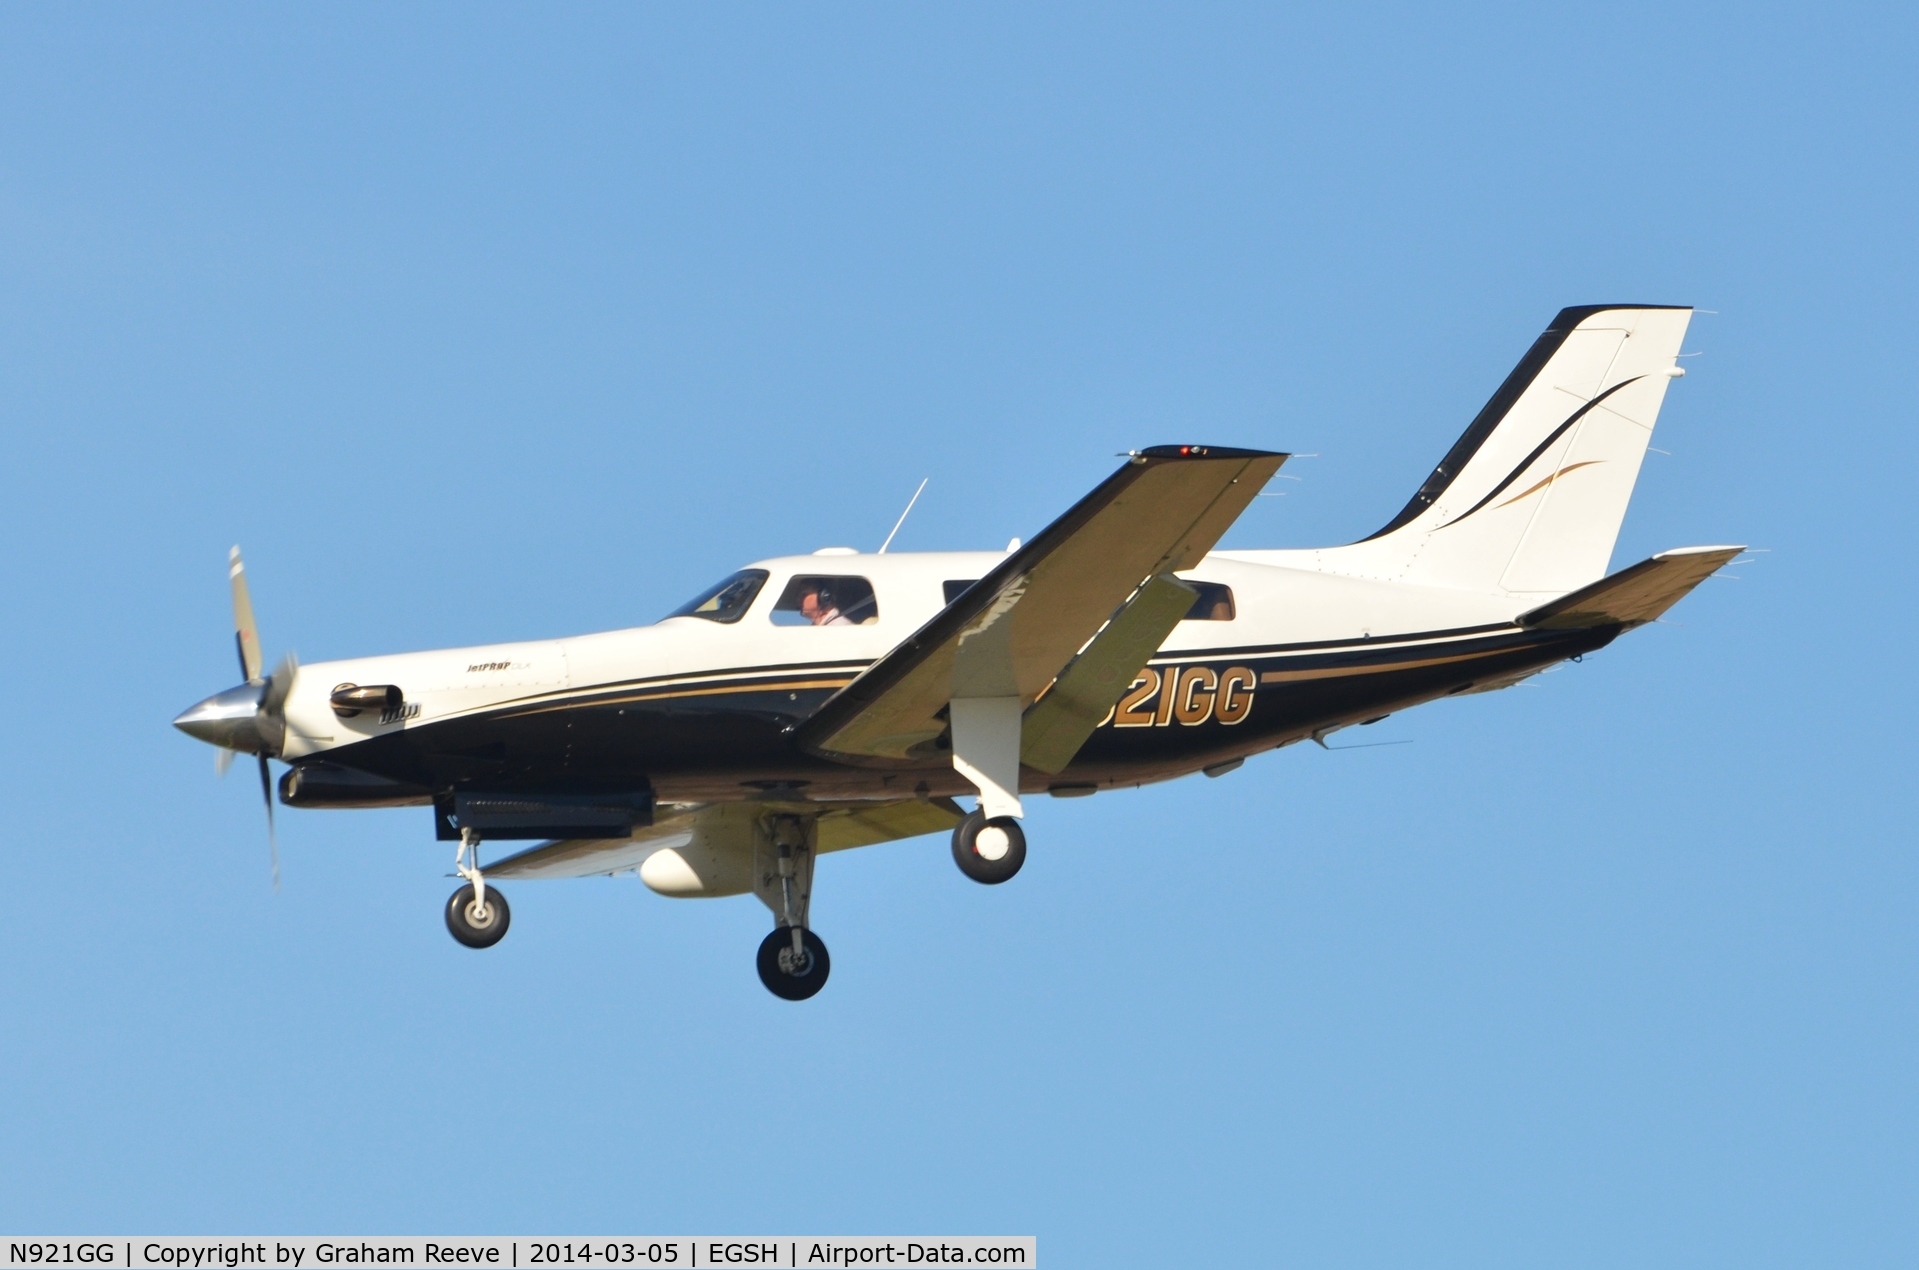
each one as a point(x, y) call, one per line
point(726, 602)
point(813, 599)
point(1215, 602)
point(957, 588)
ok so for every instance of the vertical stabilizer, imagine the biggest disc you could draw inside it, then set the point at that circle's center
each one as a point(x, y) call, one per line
point(1531, 497)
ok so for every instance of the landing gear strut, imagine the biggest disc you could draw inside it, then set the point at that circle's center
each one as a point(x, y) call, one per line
point(989, 851)
point(793, 962)
point(476, 914)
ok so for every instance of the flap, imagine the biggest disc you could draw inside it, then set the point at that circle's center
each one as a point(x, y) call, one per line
point(1634, 596)
point(1059, 722)
point(1014, 630)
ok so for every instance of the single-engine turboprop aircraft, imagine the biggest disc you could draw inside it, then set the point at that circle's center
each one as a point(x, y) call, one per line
point(809, 704)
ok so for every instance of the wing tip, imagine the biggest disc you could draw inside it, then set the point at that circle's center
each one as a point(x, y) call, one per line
point(1205, 452)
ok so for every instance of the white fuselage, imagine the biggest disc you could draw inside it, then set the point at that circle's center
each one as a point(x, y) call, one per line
point(1282, 600)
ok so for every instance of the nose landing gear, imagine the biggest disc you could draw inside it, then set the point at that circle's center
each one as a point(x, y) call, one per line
point(989, 851)
point(792, 961)
point(477, 915)
point(476, 922)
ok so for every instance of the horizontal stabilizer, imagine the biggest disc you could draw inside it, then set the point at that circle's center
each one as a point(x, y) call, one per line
point(1631, 597)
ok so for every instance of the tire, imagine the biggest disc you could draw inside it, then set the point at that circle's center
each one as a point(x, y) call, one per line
point(999, 860)
point(463, 925)
point(780, 981)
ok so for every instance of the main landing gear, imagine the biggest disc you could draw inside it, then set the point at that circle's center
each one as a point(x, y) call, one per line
point(989, 851)
point(476, 914)
point(793, 962)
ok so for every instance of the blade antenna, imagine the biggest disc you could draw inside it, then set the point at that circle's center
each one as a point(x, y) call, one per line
point(904, 514)
point(273, 838)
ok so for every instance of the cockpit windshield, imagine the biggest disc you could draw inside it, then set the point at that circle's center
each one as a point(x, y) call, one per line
point(726, 602)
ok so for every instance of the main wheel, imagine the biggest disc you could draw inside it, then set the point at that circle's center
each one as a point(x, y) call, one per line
point(989, 851)
point(473, 926)
point(779, 972)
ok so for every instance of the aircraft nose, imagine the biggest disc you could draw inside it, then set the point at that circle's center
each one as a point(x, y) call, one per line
point(227, 719)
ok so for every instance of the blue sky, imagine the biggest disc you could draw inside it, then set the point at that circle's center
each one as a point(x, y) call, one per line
point(482, 323)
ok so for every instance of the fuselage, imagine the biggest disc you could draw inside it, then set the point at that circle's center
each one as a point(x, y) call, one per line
point(694, 709)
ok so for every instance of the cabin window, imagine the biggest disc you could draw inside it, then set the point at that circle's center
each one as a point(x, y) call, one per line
point(1215, 603)
point(726, 602)
point(956, 589)
point(819, 600)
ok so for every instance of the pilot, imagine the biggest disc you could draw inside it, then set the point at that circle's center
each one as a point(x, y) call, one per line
point(820, 608)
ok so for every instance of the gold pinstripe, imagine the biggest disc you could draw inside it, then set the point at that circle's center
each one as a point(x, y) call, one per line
point(791, 685)
point(1548, 481)
point(1339, 672)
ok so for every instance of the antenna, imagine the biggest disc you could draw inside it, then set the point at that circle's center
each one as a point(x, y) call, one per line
point(904, 514)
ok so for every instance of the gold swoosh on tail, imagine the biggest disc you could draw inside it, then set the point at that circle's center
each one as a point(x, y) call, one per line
point(1548, 481)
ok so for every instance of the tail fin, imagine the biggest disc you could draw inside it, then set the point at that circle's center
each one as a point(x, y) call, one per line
point(1530, 499)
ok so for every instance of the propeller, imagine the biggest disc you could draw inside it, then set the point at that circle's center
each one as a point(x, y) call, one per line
point(269, 717)
point(246, 632)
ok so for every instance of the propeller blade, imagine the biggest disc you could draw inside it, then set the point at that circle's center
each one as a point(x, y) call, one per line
point(279, 684)
point(273, 838)
point(270, 718)
point(246, 633)
point(222, 760)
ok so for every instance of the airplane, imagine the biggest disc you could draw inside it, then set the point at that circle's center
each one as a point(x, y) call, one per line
point(806, 705)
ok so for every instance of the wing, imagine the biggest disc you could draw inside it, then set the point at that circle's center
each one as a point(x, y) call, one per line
point(863, 824)
point(1633, 596)
point(1015, 630)
point(596, 857)
point(722, 826)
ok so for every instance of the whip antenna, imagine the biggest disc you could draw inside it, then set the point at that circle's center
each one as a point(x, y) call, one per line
point(904, 514)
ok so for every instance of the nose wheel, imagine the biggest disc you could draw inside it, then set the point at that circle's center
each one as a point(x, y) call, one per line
point(989, 851)
point(476, 914)
point(793, 963)
point(792, 960)
point(478, 920)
